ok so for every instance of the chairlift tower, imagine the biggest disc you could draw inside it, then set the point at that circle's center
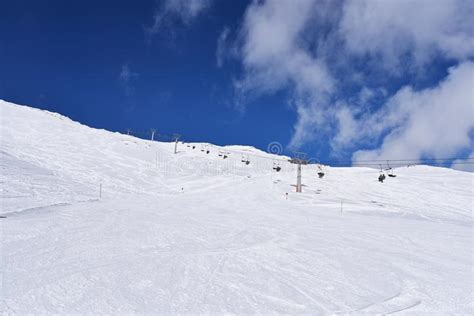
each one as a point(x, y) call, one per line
point(176, 138)
point(299, 159)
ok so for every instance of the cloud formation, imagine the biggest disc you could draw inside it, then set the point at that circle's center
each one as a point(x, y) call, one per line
point(126, 77)
point(274, 57)
point(434, 122)
point(337, 59)
point(394, 30)
point(171, 11)
point(222, 47)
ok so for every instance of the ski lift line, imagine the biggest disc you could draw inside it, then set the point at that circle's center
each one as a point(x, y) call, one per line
point(247, 154)
point(259, 167)
point(400, 164)
point(396, 160)
point(415, 163)
point(144, 134)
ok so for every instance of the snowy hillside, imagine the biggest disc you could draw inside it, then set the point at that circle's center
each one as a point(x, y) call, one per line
point(100, 222)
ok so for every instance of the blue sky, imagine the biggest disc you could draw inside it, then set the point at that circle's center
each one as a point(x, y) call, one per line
point(342, 80)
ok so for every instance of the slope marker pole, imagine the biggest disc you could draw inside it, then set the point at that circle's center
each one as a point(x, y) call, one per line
point(176, 138)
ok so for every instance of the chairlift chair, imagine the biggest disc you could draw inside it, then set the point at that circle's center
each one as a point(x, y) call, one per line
point(390, 171)
point(381, 175)
point(276, 167)
point(320, 172)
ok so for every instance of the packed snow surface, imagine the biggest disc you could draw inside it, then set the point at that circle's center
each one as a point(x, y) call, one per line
point(100, 222)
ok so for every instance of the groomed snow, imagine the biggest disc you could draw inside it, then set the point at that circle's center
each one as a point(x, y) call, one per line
point(194, 233)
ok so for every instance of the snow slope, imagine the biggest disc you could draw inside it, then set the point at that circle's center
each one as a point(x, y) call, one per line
point(194, 233)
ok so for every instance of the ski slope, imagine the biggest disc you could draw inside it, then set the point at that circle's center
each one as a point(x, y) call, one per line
point(100, 222)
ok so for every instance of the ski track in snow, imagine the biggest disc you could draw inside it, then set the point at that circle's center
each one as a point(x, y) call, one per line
point(193, 233)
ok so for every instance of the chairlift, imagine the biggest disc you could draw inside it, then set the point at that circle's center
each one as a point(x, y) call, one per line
point(205, 149)
point(320, 172)
point(390, 171)
point(276, 166)
point(381, 175)
point(245, 160)
point(223, 154)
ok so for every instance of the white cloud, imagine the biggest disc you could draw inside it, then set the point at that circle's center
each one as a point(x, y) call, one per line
point(303, 46)
point(434, 122)
point(222, 49)
point(392, 29)
point(184, 11)
point(275, 57)
point(126, 77)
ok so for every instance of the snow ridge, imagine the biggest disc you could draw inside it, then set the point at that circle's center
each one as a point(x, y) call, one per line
point(100, 222)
